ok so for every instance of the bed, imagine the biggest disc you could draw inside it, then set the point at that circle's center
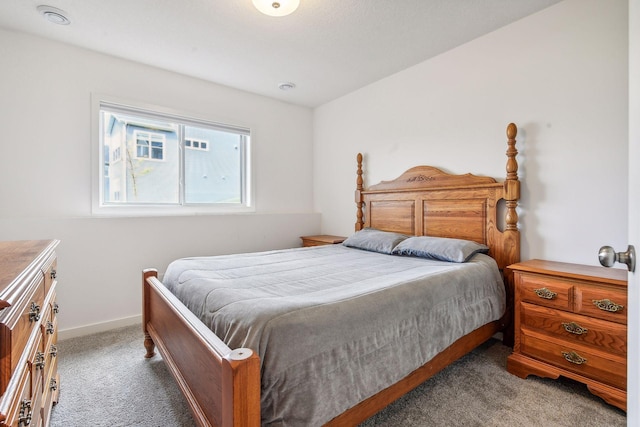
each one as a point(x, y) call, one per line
point(330, 335)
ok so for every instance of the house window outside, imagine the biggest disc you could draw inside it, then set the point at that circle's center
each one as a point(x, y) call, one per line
point(196, 144)
point(146, 140)
point(171, 161)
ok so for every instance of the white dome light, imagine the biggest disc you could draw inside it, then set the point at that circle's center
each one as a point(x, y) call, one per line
point(276, 7)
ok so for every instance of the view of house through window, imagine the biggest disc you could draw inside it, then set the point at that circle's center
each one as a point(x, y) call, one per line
point(157, 159)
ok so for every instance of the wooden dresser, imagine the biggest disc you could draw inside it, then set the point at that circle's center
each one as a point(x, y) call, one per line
point(571, 320)
point(28, 332)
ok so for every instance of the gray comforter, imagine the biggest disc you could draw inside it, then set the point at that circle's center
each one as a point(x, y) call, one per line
point(334, 325)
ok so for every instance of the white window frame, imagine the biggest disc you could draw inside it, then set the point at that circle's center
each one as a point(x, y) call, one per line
point(148, 210)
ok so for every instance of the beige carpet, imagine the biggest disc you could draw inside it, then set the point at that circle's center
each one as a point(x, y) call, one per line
point(106, 381)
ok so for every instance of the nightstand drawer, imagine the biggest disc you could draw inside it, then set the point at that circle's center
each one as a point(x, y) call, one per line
point(582, 360)
point(545, 291)
point(608, 304)
point(596, 333)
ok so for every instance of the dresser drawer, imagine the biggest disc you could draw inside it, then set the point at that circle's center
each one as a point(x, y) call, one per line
point(22, 407)
point(37, 361)
point(588, 362)
point(553, 293)
point(50, 272)
point(50, 392)
point(28, 318)
point(600, 334)
point(603, 303)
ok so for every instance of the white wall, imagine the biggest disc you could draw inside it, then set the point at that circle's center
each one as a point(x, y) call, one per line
point(560, 75)
point(45, 99)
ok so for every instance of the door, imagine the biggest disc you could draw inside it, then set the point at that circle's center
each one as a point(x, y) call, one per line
point(633, 315)
point(633, 341)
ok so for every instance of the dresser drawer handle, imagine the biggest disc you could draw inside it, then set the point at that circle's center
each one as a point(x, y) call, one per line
point(53, 384)
point(24, 418)
point(39, 360)
point(545, 293)
point(50, 329)
point(574, 328)
point(34, 312)
point(53, 350)
point(56, 308)
point(608, 305)
point(54, 273)
point(574, 358)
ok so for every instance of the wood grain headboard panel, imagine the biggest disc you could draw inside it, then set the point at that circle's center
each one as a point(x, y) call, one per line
point(425, 201)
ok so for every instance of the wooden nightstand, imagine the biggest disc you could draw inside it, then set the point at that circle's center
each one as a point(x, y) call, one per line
point(571, 320)
point(321, 239)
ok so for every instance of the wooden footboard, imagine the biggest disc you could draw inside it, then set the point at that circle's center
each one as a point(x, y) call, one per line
point(221, 385)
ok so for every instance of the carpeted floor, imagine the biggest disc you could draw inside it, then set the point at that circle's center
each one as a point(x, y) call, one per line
point(106, 381)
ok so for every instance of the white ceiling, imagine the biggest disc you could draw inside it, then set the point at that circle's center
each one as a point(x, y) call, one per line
point(328, 48)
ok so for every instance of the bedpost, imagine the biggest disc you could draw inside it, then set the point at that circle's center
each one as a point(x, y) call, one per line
point(148, 342)
point(511, 239)
point(359, 188)
point(511, 235)
point(512, 185)
point(241, 389)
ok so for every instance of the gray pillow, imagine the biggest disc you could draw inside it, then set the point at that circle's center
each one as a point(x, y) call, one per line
point(440, 248)
point(371, 239)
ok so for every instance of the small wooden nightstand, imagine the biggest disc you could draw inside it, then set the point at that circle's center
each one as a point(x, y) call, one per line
point(321, 239)
point(571, 320)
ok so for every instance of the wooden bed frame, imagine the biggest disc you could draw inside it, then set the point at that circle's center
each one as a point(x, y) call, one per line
point(222, 385)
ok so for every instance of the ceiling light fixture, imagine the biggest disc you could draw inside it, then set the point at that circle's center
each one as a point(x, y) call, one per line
point(276, 7)
point(54, 15)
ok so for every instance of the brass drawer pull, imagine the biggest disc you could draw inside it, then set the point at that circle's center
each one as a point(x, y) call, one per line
point(608, 305)
point(24, 418)
point(545, 293)
point(34, 312)
point(574, 328)
point(574, 358)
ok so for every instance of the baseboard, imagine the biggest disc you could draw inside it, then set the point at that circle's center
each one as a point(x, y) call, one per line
point(99, 327)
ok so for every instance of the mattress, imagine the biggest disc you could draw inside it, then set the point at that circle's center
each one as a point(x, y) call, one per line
point(334, 325)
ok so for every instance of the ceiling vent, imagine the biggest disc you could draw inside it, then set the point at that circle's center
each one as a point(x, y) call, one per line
point(54, 15)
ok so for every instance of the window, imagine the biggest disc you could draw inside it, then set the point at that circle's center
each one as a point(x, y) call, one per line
point(146, 140)
point(157, 160)
point(196, 144)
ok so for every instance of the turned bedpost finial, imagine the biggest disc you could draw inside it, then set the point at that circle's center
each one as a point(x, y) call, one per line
point(512, 184)
point(512, 164)
point(359, 188)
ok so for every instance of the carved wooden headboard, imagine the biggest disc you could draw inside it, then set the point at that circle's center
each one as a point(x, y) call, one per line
point(425, 201)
